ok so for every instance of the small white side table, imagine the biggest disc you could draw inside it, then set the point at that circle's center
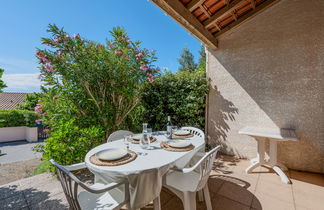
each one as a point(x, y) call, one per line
point(273, 136)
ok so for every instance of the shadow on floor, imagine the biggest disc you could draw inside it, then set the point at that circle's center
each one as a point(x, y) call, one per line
point(29, 198)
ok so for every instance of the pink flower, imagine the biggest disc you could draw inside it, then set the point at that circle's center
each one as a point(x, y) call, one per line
point(121, 38)
point(150, 79)
point(42, 58)
point(152, 70)
point(118, 52)
point(38, 121)
point(139, 56)
point(111, 44)
point(56, 40)
point(144, 67)
point(76, 36)
point(38, 108)
point(67, 36)
point(49, 68)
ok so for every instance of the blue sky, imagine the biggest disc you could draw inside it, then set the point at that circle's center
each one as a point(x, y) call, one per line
point(23, 23)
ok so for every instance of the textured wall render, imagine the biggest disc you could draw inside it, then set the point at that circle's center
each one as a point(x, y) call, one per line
point(269, 72)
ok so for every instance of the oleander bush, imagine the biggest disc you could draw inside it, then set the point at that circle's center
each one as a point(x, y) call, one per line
point(13, 118)
point(90, 89)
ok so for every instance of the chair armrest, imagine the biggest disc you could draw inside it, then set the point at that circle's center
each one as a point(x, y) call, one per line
point(201, 154)
point(102, 189)
point(77, 166)
point(184, 170)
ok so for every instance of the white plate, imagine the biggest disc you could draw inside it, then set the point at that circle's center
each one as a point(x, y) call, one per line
point(111, 154)
point(179, 143)
point(137, 137)
point(182, 133)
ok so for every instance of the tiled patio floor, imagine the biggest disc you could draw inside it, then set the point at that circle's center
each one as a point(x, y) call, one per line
point(230, 189)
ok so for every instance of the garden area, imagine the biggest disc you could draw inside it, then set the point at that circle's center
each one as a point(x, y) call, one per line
point(91, 89)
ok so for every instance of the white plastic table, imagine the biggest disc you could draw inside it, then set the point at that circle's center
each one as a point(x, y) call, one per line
point(273, 136)
point(145, 173)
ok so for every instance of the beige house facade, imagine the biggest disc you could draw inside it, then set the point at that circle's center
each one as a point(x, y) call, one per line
point(269, 72)
point(265, 67)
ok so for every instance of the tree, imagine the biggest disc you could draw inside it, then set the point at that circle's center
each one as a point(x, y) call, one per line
point(2, 84)
point(202, 59)
point(186, 61)
point(202, 56)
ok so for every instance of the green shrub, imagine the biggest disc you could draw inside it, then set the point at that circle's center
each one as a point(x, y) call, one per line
point(69, 143)
point(41, 168)
point(12, 118)
point(181, 96)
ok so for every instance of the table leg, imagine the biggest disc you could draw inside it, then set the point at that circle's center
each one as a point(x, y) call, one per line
point(254, 160)
point(282, 175)
point(282, 166)
point(259, 160)
point(277, 167)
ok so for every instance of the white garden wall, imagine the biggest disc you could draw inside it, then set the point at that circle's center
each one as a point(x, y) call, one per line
point(18, 133)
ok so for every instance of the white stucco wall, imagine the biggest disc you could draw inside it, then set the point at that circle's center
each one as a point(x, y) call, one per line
point(18, 133)
point(268, 72)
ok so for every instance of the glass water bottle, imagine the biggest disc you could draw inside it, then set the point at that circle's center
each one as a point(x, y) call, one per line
point(145, 141)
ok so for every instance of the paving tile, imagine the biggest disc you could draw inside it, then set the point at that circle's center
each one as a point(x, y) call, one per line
point(236, 193)
point(222, 203)
point(38, 180)
point(8, 190)
point(272, 176)
point(13, 202)
point(173, 204)
point(54, 203)
point(263, 201)
point(308, 195)
point(302, 208)
point(310, 178)
point(279, 191)
point(165, 196)
point(214, 184)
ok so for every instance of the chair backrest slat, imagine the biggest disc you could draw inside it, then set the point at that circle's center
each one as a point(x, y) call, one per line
point(118, 135)
point(206, 166)
point(195, 131)
point(69, 184)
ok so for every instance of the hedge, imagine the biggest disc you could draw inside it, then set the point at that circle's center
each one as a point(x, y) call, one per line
point(13, 118)
point(181, 95)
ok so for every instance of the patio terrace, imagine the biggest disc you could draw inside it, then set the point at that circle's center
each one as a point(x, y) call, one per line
point(230, 187)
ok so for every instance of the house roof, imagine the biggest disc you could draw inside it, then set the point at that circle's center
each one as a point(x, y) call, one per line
point(209, 19)
point(11, 100)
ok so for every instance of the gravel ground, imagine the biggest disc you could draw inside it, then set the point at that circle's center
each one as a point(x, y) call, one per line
point(10, 172)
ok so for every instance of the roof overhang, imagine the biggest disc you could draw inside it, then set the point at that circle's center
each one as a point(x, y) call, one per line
point(209, 19)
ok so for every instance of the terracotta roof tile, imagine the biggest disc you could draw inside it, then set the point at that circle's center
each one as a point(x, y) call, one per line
point(11, 100)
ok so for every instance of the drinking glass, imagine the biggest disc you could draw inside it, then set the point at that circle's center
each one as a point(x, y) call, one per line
point(127, 138)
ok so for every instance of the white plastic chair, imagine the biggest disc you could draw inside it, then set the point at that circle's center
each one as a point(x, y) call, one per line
point(195, 131)
point(186, 182)
point(118, 135)
point(96, 196)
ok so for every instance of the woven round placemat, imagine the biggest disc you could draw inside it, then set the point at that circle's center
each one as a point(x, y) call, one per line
point(164, 145)
point(126, 159)
point(133, 141)
point(182, 137)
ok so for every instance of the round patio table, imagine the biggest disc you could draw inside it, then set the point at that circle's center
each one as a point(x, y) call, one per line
point(145, 173)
